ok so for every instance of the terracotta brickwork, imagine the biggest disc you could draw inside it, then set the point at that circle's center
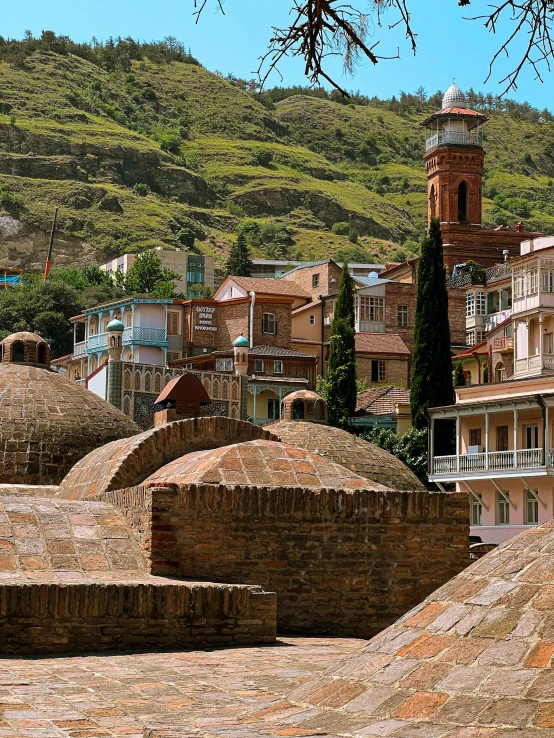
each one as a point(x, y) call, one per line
point(326, 275)
point(48, 423)
point(447, 167)
point(128, 462)
point(233, 321)
point(340, 562)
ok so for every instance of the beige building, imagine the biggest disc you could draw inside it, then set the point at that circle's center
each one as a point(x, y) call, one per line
point(194, 268)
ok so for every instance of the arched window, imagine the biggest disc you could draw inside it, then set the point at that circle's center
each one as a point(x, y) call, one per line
point(500, 372)
point(41, 355)
point(462, 202)
point(18, 352)
point(433, 202)
point(298, 410)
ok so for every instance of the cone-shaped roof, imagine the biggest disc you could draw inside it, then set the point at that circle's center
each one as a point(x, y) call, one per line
point(454, 97)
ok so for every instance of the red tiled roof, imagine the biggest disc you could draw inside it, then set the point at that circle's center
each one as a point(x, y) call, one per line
point(271, 286)
point(381, 400)
point(381, 343)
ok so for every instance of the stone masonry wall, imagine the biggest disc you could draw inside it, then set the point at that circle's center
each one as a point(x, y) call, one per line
point(397, 370)
point(342, 563)
point(233, 321)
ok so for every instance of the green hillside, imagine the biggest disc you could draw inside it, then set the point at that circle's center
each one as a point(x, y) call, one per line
point(76, 134)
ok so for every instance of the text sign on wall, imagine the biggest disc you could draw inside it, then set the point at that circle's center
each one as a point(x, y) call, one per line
point(205, 319)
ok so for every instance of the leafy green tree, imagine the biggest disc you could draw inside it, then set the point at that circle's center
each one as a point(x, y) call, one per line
point(186, 237)
point(148, 277)
point(239, 263)
point(459, 379)
point(432, 362)
point(411, 448)
point(341, 370)
point(200, 291)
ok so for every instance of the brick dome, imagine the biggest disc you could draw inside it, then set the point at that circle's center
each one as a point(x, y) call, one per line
point(258, 463)
point(25, 348)
point(304, 405)
point(343, 448)
point(47, 422)
point(473, 660)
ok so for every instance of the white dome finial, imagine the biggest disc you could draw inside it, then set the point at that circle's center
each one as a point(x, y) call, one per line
point(454, 97)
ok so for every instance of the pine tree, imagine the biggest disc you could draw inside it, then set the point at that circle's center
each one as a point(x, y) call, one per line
point(341, 370)
point(432, 362)
point(239, 263)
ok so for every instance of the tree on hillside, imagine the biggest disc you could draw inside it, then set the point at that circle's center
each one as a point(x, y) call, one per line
point(239, 263)
point(432, 362)
point(323, 29)
point(148, 277)
point(341, 370)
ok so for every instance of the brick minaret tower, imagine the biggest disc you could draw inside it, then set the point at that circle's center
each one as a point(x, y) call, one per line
point(454, 160)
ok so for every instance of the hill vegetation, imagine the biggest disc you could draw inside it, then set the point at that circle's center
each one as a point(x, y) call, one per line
point(138, 142)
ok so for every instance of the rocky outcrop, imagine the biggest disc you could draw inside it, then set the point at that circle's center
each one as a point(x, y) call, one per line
point(25, 247)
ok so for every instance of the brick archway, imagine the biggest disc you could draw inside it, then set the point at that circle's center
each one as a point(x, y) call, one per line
point(127, 462)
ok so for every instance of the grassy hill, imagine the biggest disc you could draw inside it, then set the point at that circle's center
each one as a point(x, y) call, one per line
point(79, 136)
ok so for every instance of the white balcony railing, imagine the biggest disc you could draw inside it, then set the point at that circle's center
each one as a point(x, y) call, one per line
point(535, 363)
point(80, 349)
point(494, 461)
point(138, 334)
point(98, 341)
point(458, 138)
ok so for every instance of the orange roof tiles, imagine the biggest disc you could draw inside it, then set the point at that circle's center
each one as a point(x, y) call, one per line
point(381, 343)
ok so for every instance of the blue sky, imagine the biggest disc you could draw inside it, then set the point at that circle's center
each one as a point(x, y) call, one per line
point(448, 46)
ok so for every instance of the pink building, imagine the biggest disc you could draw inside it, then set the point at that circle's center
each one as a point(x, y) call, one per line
point(497, 441)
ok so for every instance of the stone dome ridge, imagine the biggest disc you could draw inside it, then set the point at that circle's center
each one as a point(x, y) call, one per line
point(262, 463)
point(48, 423)
point(350, 451)
point(473, 659)
point(454, 97)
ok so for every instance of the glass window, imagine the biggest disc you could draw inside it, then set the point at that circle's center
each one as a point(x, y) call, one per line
point(277, 367)
point(477, 511)
point(269, 325)
point(403, 316)
point(480, 303)
point(549, 343)
point(479, 336)
point(518, 282)
point(470, 304)
point(530, 436)
point(475, 437)
point(258, 366)
point(224, 365)
point(531, 508)
point(191, 277)
point(273, 409)
point(312, 319)
point(547, 280)
point(501, 437)
point(378, 371)
point(370, 309)
point(315, 280)
point(470, 338)
point(532, 282)
point(503, 508)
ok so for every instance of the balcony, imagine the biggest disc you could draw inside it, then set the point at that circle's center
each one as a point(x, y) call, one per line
point(534, 364)
point(143, 336)
point(456, 138)
point(99, 341)
point(495, 461)
point(503, 345)
point(80, 349)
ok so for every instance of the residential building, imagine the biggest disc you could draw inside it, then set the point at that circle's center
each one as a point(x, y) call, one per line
point(504, 453)
point(383, 358)
point(276, 268)
point(383, 407)
point(193, 268)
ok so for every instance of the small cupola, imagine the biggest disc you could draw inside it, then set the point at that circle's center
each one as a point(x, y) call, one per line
point(26, 348)
point(304, 405)
point(454, 97)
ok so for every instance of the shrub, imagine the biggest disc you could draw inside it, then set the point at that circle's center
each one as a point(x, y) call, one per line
point(235, 209)
point(141, 189)
point(341, 228)
point(96, 85)
point(9, 199)
point(263, 157)
point(186, 237)
point(353, 236)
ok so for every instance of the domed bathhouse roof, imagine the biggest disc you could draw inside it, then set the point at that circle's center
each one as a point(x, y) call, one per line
point(304, 405)
point(473, 660)
point(454, 98)
point(47, 422)
point(265, 463)
point(115, 325)
point(241, 342)
point(349, 451)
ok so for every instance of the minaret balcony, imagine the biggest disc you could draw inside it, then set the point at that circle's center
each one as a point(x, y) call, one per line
point(456, 138)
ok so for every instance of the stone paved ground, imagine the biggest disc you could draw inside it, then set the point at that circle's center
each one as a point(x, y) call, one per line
point(115, 695)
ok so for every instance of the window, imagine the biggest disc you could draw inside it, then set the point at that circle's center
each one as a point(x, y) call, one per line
point(530, 436)
point(173, 323)
point(128, 319)
point(500, 372)
point(470, 338)
point(191, 277)
point(501, 437)
point(549, 343)
point(370, 309)
point(518, 282)
point(277, 367)
point(273, 409)
point(477, 511)
point(173, 355)
point(42, 354)
point(532, 282)
point(378, 371)
point(224, 365)
point(312, 319)
point(18, 352)
point(298, 410)
point(315, 280)
point(531, 508)
point(403, 316)
point(269, 324)
point(547, 280)
point(480, 303)
point(475, 437)
point(503, 508)
point(462, 202)
point(470, 304)
point(105, 324)
point(258, 366)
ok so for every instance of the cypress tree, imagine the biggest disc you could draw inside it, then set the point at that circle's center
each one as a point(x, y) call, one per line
point(239, 263)
point(341, 370)
point(432, 362)
point(459, 378)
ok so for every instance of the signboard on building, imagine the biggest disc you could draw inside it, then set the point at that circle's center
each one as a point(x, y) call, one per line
point(205, 317)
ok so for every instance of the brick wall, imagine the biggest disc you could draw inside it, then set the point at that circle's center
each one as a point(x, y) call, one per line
point(329, 278)
point(343, 563)
point(233, 321)
point(397, 370)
